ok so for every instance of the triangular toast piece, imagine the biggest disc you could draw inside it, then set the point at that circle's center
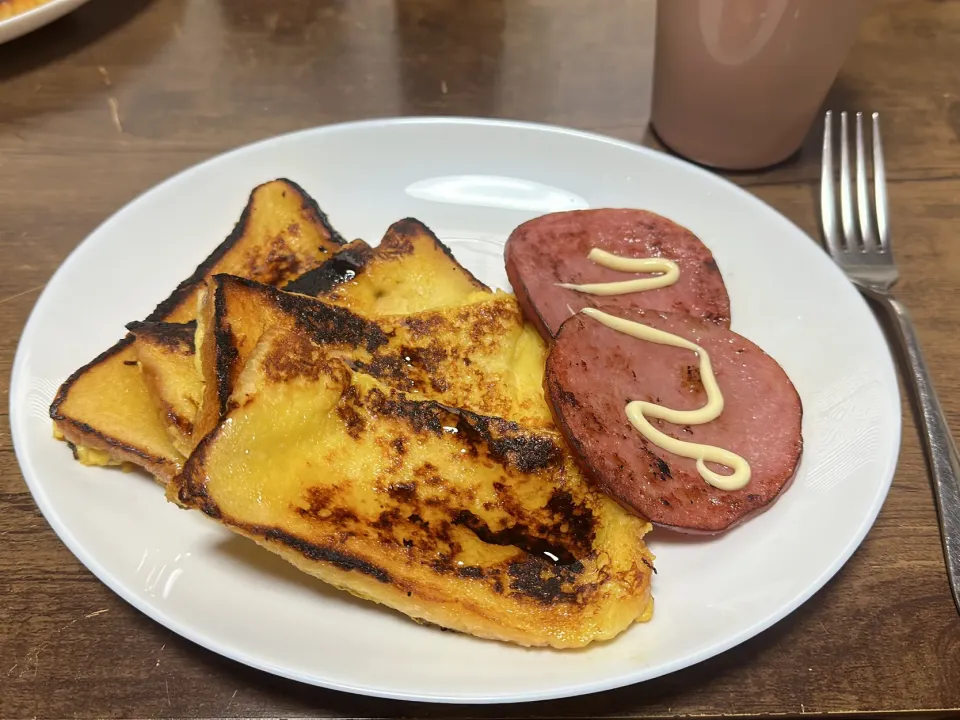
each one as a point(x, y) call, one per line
point(467, 521)
point(168, 362)
point(106, 405)
point(409, 271)
point(480, 355)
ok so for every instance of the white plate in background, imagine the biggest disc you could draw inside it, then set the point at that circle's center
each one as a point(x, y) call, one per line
point(31, 20)
point(472, 182)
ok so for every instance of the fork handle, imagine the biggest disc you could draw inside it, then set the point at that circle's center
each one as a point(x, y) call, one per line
point(941, 451)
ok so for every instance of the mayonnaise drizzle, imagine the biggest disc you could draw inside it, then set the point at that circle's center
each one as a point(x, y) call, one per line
point(638, 411)
point(668, 269)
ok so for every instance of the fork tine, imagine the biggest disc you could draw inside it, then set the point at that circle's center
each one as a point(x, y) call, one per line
point(846, 187)
point(828, 200)
point(880, 187)
point(867, 235)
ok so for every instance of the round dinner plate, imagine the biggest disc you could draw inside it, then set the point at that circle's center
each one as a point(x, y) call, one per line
point(472, 182)
point(35, 18)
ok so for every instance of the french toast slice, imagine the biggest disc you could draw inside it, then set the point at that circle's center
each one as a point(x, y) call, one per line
point(467, 521)
point(106, 409)
point(409, 271)
point(480, 355)
point(168, 362)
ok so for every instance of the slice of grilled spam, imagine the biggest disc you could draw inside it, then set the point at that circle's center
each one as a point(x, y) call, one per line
point(106, 405)
point(409, 271)
point(167, 360)
point(466, 521)
point(480, 355)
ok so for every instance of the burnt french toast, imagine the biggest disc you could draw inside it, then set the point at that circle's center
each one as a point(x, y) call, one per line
point(106, 410)
point(409, 271)
point(479, 355)
point(471, 522)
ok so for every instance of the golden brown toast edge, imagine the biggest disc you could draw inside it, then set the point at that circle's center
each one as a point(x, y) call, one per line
point(156, 453)
point(167, 360)
point(161, 459)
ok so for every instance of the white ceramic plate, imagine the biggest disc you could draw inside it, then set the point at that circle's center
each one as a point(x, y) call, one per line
point(472, 181)
point(36, 18)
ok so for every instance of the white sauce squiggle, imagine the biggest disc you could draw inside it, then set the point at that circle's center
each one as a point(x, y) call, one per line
point(668, 269)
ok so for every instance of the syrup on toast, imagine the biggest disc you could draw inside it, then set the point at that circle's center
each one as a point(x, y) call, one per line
point(470, 522)
point(106, 409)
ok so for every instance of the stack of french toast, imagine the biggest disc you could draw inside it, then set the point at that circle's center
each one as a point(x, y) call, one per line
point(376, 416)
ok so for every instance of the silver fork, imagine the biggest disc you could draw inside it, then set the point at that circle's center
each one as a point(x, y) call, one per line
point(863, 251)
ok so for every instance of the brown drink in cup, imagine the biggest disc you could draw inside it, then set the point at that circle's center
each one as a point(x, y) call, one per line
point(738, 83)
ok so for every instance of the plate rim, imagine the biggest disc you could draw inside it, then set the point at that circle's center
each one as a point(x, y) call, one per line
point(213, 645)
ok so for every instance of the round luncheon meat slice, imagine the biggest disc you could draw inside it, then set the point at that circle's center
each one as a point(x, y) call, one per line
point(553, 249)
point(593, 371)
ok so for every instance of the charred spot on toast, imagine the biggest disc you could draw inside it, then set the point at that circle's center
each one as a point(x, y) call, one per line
point(410, 368)
point(422, 416)
point(316, 552)
point(485, 320)
point(424, 326)
point(349, 415)
point(328, 324)
point(177, 337)
point(518, 536)
point(226, 352)
point(507, 442)
point(342, 267)
point(292, 355)
point(398, 241)
point(543, 581)
point(280, 262)
point(183, 423)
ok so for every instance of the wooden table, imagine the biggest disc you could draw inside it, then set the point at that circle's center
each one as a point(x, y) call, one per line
point(109, 101)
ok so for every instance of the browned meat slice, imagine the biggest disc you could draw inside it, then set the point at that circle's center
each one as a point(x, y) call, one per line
point(593, 371)
point(553, 249)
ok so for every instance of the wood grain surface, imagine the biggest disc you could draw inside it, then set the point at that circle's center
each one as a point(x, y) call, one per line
point(114, 98)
